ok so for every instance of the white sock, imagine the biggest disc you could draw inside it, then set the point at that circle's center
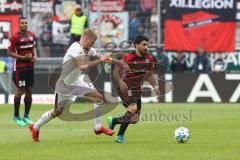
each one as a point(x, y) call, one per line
point(46, 117)
point(97, 115)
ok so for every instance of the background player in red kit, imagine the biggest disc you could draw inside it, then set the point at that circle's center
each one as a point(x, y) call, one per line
point(22, 48)
point(129, 84)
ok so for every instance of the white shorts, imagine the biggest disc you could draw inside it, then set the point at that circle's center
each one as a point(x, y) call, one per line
point(65, 93)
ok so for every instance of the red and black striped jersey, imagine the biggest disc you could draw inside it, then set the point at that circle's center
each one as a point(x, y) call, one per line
point(22, 44)
point(138, 68)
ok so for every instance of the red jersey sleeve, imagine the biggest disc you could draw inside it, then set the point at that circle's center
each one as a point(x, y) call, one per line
point(12, 45)
point(124, 58)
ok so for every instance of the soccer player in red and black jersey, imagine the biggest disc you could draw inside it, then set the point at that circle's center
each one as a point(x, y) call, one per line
point(23, 48)
point(129, 84)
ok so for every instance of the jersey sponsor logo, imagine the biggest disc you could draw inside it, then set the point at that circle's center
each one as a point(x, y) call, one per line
point(26, 46)
point(137, 70)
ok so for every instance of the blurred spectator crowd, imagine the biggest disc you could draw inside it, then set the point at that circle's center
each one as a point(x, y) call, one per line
point(178, 62)
point(143, 18)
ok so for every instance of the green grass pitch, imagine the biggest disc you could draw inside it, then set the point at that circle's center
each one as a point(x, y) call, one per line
point(214, 129)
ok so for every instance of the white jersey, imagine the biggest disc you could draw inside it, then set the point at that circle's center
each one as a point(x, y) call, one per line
point(70, 71)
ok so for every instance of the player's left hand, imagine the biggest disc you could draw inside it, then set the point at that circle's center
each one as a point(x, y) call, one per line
point(105, 57)
point(34, 59)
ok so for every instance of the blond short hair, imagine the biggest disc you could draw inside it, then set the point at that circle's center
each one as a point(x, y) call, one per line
point(90, 34)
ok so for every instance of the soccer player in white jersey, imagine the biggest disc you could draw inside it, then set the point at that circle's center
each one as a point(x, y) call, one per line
point(69, 85)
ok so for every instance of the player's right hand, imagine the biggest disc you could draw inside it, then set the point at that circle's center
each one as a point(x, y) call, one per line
point(123, 87)
point(27, 57)
point(105, 57)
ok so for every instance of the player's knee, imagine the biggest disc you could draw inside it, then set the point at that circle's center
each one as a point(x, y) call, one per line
point(58, 111)
point(19, 92)
point(28, 92)
point(98, 99)
point(134, 119)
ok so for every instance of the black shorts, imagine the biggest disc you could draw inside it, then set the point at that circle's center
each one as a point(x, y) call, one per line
point(23, 79)
point(133, 96)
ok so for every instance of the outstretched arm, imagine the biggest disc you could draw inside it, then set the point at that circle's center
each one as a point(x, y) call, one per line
point(119, 63)
point(83, 66)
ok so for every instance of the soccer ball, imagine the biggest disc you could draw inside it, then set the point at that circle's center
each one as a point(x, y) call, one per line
point(182, 134)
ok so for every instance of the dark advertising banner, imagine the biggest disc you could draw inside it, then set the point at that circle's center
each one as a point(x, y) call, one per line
point(193, 23)
point(193, 88)
point(187, 88)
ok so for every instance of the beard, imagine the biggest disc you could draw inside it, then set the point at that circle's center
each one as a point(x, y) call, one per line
point(24, 29)
point(143, 52)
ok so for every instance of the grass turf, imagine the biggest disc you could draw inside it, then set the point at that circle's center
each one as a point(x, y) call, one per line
point(214, 130)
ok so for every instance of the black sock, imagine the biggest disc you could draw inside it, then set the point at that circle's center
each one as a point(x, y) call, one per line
point(115, 120)
point(17, 101)
point(125, 120)
point(28, 104)
point(120, 120)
